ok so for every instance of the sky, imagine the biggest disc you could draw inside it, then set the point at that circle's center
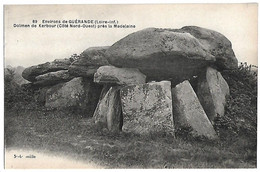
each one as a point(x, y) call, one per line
point(32, 46)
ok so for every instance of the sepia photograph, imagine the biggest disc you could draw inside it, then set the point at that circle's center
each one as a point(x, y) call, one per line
point(130, 86)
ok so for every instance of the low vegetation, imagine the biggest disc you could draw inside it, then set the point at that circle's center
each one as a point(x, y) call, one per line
point(31, 126)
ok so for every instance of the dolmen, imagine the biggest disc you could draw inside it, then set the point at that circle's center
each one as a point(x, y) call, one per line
point(141, 84)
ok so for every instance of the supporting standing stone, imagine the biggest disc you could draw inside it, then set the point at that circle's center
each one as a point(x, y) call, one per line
point(109, 112)
point(188, 111)
point(100, 115)
point(212, 91)
point(147, 108)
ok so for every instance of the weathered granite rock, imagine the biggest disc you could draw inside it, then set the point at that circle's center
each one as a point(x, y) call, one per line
point(215, 43)
point(30, 73)
point(109, 111)
point(66, 94)
point(161, 54)
point(174, 54)
point(100, 114)
point(52, 78)
point(147, 108)
point(119, 76)
point(88, 62)
point(188, 112)
point(212, 91)
point(79, 93)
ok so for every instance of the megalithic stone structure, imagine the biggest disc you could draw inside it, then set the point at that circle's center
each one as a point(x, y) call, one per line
point(188, 112)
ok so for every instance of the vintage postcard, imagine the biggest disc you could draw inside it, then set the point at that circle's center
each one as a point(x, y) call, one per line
point(130, 86)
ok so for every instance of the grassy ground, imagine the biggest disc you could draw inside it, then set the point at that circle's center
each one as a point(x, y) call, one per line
point(76, 136)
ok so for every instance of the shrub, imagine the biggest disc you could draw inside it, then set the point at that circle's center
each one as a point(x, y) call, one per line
point(240, 120)
point(15, 97)
point(73, 57)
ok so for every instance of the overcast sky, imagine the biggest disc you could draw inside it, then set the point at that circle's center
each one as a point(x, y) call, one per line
point(31, 46)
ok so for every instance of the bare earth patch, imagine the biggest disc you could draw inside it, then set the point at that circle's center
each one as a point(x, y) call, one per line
point(33, 159)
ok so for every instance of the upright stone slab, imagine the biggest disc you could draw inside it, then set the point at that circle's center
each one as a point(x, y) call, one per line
point(212, 90)
point(114, 113)
point(119, 76)
point(109, 112)
point(188, 112)
point(79, 94)
point(100, 114)
point(147, 108)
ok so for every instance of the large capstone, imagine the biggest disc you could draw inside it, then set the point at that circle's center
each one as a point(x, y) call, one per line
point(32, 72)
point(80, 94)
point(212, 90)
point(147, 108)
point(88, 62)
point(188, 112)
point(52, 78)
point(172, 54)
point(161, 54)
point(215, 43)
point(108, 113)
point(119, 76)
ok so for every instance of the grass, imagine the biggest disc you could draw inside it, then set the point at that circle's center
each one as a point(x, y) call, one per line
point(65, 133)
